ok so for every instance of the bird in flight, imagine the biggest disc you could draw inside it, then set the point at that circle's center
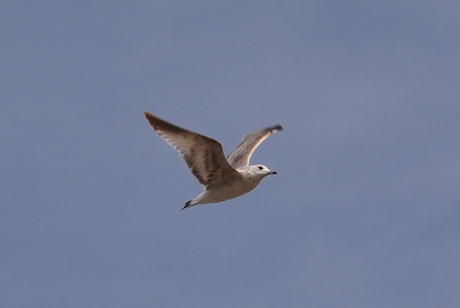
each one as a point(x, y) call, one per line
point(222, 178)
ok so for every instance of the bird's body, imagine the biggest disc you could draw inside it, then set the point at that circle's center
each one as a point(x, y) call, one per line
point(222, 178)
point(240, 183)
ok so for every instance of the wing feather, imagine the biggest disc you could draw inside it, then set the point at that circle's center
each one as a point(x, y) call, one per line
point(242, 154)
point(203, 155)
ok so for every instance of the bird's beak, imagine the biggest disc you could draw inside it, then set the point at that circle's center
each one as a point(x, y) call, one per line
point(273, 172)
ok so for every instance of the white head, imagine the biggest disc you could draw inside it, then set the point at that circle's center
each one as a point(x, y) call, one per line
point(260, 171)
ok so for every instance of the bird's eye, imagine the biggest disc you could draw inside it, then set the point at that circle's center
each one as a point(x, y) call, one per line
point(260, 167)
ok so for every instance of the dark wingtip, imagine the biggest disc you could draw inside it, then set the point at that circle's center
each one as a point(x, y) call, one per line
point(158, 123)
point(276, 128)
point(147, 115)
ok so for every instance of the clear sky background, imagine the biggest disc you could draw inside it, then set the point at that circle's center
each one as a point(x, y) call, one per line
point(364, 211)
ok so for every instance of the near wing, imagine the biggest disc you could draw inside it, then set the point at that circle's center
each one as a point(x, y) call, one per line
point(241, 155)
point(203, 155)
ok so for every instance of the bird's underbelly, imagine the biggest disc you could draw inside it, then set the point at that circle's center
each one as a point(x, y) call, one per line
point(222, 193)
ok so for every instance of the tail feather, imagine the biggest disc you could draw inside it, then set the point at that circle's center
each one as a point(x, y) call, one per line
point(187, 205)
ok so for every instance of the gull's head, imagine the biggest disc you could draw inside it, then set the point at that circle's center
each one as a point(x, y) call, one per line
point(260, 171)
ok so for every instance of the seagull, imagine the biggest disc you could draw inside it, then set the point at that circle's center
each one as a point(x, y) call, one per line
point(221, 178)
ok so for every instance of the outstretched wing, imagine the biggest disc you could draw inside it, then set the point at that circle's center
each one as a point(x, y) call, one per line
point(203, 155)
point(242, 154)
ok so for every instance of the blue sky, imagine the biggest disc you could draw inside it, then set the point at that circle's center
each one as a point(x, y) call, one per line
point(363, 212)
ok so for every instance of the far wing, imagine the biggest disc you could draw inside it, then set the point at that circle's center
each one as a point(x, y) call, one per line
point(203, 155)
point(242, 154)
